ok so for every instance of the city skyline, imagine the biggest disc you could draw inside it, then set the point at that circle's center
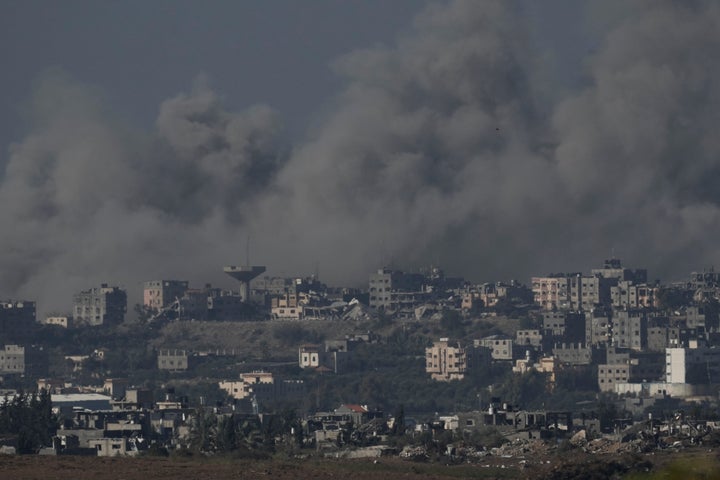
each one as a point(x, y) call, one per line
point(497, 139)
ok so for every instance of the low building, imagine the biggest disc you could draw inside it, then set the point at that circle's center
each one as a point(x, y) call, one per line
point(531, 338)
point(549, 365)
point(332, 357)
point(501, 347)
point(64, 321)
point(66, 403)
point(263, 387)
point(135, 399)
point(173, 359)
point(113, 447)
point(573, 354)
point(115, 387)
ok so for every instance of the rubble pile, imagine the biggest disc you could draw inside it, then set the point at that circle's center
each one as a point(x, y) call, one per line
point(416, 454)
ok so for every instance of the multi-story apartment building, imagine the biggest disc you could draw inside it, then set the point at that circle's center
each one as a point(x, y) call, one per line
point(613, 269)
point(628, 295)
point(386, 281)
point(552, 292)
point(696, 364)
point(588, 292)
point(564, 326)
point(445, 361)
point(704, 279)
point(159, 294)
point(598, 327)
point(627, 366)
point(12, 360)
point(661, 337)
point(629, 329)
point(489, 294)
point(99, 306)
point(17, 321)
point(694, 316)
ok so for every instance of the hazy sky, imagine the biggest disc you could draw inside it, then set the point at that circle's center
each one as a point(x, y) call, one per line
point(277, 52)
point(141, 52)
point(499, 139)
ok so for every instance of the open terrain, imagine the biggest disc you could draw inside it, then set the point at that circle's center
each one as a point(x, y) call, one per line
point(689, 464)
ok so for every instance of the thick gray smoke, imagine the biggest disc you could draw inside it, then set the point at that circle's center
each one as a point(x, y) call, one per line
point(441, 148)
point(86, 200)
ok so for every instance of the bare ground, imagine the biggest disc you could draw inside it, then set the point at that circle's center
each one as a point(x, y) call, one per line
point(689, 464)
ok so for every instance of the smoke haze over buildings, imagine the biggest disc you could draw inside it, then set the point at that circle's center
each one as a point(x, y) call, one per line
point(449, 145)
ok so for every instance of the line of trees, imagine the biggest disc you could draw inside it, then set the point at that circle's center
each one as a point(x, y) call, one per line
point(30, 417)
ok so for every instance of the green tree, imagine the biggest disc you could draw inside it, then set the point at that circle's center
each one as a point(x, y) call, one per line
point(203, 431)
point(30, 417)
point(399, 423)
point(227, 438)
point(451, 322)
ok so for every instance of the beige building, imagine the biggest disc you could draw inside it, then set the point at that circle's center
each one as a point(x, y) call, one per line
point(64, 321)
point(288, 306)
point(551, 292)
point(445, 361)
point(158, 294)
point(263, 387)
point(550, 365)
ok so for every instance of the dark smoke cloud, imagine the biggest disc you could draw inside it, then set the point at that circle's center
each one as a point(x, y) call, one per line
point(85, 199)
point(441, 148)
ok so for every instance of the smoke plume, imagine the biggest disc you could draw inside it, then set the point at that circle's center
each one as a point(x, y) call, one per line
point(441, 148)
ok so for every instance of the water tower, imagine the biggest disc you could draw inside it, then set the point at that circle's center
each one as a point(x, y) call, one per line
point(244, 274)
